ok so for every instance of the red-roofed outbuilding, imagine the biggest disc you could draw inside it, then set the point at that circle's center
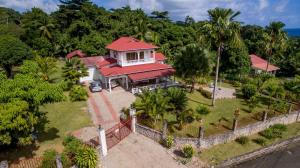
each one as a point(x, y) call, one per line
point(259, 64)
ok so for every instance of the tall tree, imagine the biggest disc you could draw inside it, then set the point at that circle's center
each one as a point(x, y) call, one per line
point(274, 40)
point(12, 52)
point(221, 29)
point(191, 63)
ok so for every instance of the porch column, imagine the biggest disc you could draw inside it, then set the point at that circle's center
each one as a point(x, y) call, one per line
point(133, 119)
point(109, 85)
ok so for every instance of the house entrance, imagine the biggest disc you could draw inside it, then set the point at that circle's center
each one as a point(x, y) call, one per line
point(118, 132)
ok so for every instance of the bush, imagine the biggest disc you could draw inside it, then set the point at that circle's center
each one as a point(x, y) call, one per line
point(72, 145)
point(237, 84)
point(274, 131)
point(169, 141)
point(243, 140)
point(203, 110)
point(49, 159)
point(260, 141)
point(205, 93)
point(78, 93)
point(86, 157)
point(188, 151)
point(249, 90)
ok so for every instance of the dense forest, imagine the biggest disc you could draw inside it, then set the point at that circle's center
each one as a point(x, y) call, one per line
point(80, 24)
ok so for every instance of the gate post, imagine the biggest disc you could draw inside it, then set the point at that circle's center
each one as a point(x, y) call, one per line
point(102, 139)
point(133, 119)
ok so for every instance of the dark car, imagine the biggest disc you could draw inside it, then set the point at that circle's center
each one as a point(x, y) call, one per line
point(95, 86)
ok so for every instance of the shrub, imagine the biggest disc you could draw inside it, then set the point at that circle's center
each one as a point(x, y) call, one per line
point(49, 159)
point(72, 145)
point(188, 151)
point(279, 127)
point(205, 93)
point(274, 131)
point(78, 93)
point(66, 162)
point(169, 141)
point(237, 84)
point(86, 157)
point(203, 110)
point(253, 102)
point(249, 90)
point(243, 140)
point(260, 141)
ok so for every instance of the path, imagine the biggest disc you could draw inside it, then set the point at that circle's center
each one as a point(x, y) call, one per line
point(139, 151)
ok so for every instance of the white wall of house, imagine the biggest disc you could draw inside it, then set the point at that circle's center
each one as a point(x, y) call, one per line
point(122, 58)
point(91, 75)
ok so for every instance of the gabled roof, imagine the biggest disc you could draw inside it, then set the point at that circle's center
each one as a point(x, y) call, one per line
point(76, 53)
point(259, 63)
point(159, 56)
point(117, 70)
point(91, 61)
point(105, 62)
point(129, 44)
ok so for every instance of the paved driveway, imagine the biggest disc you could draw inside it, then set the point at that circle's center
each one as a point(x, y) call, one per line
point(137, 151)
point(105, 107)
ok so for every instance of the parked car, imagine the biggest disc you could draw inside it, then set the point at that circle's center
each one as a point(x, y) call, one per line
point(95, 86)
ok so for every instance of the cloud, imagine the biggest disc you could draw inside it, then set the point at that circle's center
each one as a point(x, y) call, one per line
point(281, 5)
point(263, 4)
point(47, 5)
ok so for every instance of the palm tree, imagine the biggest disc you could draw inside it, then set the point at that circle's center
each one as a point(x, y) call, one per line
point(222, 29)
point(154, 104)
point(178, 99)
point(141, 29)
point(45, 28)
point(47, 66)
point(274, 39)
point(74, 70)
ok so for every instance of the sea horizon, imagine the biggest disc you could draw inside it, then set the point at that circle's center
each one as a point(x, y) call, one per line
point(293, 32)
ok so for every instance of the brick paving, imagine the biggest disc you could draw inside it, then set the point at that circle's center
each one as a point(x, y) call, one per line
point(105, 107)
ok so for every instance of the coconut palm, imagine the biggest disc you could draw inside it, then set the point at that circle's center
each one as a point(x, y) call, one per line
point(274, 39)
point(74, 70)
point(45, 28)
point(221, 28)
point(178, 99)
point(47, 66)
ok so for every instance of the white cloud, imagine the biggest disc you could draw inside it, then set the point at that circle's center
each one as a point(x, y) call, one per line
point(46, 5)
point(281, 5)
point(263, 4)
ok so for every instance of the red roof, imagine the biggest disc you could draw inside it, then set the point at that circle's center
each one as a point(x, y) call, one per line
point(159, 57)
point(259, 63)
point(90, 61)
point(105, 62)
point(151, 75)
point(128, 44)
point(76, 53)
point(117, 70)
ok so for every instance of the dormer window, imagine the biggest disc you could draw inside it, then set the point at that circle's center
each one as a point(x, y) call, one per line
point(131, 56)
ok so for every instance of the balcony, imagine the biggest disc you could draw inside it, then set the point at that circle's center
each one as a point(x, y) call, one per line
point(139, 61)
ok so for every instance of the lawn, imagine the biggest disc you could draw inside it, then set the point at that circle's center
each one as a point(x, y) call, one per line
point(63, 118)
point(222, 152)
point(219, 120)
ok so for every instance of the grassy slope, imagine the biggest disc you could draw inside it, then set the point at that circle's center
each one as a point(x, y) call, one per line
point(225, 151)
point(63, 118)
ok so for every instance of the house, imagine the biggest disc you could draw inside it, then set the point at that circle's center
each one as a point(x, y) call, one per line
point(131, 63)
point(260, 65)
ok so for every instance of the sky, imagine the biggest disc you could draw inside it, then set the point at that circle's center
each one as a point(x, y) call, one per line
point(260, 12)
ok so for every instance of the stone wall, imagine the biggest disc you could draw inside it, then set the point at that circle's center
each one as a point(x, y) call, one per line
point(148, 132)
point(258, 153)
point(248, 130)
point(213, 140)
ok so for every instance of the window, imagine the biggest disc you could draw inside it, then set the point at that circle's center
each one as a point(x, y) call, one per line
point(151, 54)
point(131, 56)
point(142, 55)
point(115, 54)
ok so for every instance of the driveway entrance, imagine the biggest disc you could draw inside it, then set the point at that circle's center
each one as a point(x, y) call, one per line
point(140, 152)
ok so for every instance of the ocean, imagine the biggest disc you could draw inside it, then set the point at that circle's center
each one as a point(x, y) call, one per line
point(295, 32)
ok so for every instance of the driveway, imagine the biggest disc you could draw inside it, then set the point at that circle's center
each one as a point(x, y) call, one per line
point(105, 107)
point(137, 151)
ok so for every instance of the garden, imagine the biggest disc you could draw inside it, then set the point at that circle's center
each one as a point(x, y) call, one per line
point(187, 111)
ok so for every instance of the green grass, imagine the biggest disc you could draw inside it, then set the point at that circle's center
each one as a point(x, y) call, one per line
point(222, 152)
point(63, 118)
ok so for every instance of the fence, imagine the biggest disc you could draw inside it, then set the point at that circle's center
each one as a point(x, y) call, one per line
point(207, 142)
